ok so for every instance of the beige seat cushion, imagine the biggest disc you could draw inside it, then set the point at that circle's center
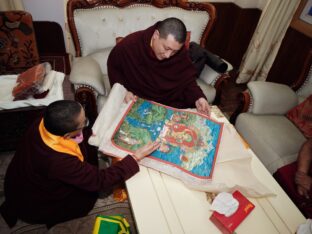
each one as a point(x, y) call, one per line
point(273, 138)
point(209, 91)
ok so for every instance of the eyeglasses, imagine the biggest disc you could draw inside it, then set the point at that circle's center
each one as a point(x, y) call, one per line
point(86, 124)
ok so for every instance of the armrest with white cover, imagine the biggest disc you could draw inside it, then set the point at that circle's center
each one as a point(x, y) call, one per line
point(211, 82)
point(270, 134)
point(271, 98)
point(86, 71)
point(262, 121)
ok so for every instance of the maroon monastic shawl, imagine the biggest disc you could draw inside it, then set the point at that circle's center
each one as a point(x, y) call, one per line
point(172, 81)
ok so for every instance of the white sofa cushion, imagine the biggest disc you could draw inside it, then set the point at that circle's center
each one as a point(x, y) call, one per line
point(210, 76)
point(208, 90)
point(273, 138)
point(99, 27)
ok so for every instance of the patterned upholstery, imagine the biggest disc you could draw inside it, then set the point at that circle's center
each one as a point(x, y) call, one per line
point(18, 47)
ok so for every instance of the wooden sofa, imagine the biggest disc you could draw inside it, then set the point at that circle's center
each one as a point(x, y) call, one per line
point(95, 25)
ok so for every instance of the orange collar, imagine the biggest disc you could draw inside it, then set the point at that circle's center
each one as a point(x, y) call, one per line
point(60, 144)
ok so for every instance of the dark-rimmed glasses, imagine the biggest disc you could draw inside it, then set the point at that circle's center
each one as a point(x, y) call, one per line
point(86, 124)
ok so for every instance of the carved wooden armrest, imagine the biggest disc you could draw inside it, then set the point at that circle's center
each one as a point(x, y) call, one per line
point(86, 96)
point(219, 84)
point(245, 101)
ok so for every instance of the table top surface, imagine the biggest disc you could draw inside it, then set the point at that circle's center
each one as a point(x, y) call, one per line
point(163, 204)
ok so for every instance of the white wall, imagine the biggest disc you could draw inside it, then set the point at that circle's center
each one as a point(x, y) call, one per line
point(55, 10)
point(46, 10)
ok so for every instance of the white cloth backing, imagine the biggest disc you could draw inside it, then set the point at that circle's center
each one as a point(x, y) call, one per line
point(7, 83)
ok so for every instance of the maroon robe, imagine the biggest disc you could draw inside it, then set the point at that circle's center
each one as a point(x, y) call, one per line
point(172, 81)
point(285, 176)
point(46, 186)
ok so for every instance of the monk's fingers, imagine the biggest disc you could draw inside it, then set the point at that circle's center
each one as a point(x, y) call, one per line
point(147, 149)
point(126, 99)
point(300, 190)
point(207, 108)
point(129, 97)
point(152, 146)
point(305, 193)
point(202, 106)
point(199, 105)
point(156, 145)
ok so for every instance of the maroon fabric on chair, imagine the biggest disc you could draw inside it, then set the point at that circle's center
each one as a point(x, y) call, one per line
point(28, 83)
point(285, 176)
point(18, 46)
point(301, 116)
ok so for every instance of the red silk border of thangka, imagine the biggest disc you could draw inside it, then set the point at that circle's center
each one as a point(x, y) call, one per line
point(163, 161)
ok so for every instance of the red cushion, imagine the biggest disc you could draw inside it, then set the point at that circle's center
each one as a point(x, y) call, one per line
point(28, 82)
point(301, 116)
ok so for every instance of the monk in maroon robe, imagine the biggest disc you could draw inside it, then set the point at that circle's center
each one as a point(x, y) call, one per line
point(154, 64)
point(296, 179)
point(53, 176)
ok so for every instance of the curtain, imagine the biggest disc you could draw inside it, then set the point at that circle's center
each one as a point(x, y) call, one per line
point(9, 5)
point(265, 43)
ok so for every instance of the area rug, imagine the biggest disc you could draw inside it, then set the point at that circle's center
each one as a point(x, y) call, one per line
point(103, 206)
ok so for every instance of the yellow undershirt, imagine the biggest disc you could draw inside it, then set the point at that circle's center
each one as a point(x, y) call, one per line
point(59, 143)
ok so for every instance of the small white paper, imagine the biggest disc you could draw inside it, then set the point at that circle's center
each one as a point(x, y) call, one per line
point(224, 203)
point(305, 228)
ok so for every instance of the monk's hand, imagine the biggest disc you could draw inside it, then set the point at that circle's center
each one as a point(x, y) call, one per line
point(129, 97)
point(146, 150)
point(303, 191)
point(304, 182)
point(202, 106)
point(303, 179)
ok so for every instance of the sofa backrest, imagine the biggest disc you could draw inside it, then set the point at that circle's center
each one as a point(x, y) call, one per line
point(95, 24)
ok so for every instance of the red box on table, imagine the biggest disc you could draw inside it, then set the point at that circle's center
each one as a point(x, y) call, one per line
point(227, 225)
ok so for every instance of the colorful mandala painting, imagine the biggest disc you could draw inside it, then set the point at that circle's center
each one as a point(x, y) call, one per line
point(189, 141)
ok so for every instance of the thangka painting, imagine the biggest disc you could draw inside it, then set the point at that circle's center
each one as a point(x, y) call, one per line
point(188, 141)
